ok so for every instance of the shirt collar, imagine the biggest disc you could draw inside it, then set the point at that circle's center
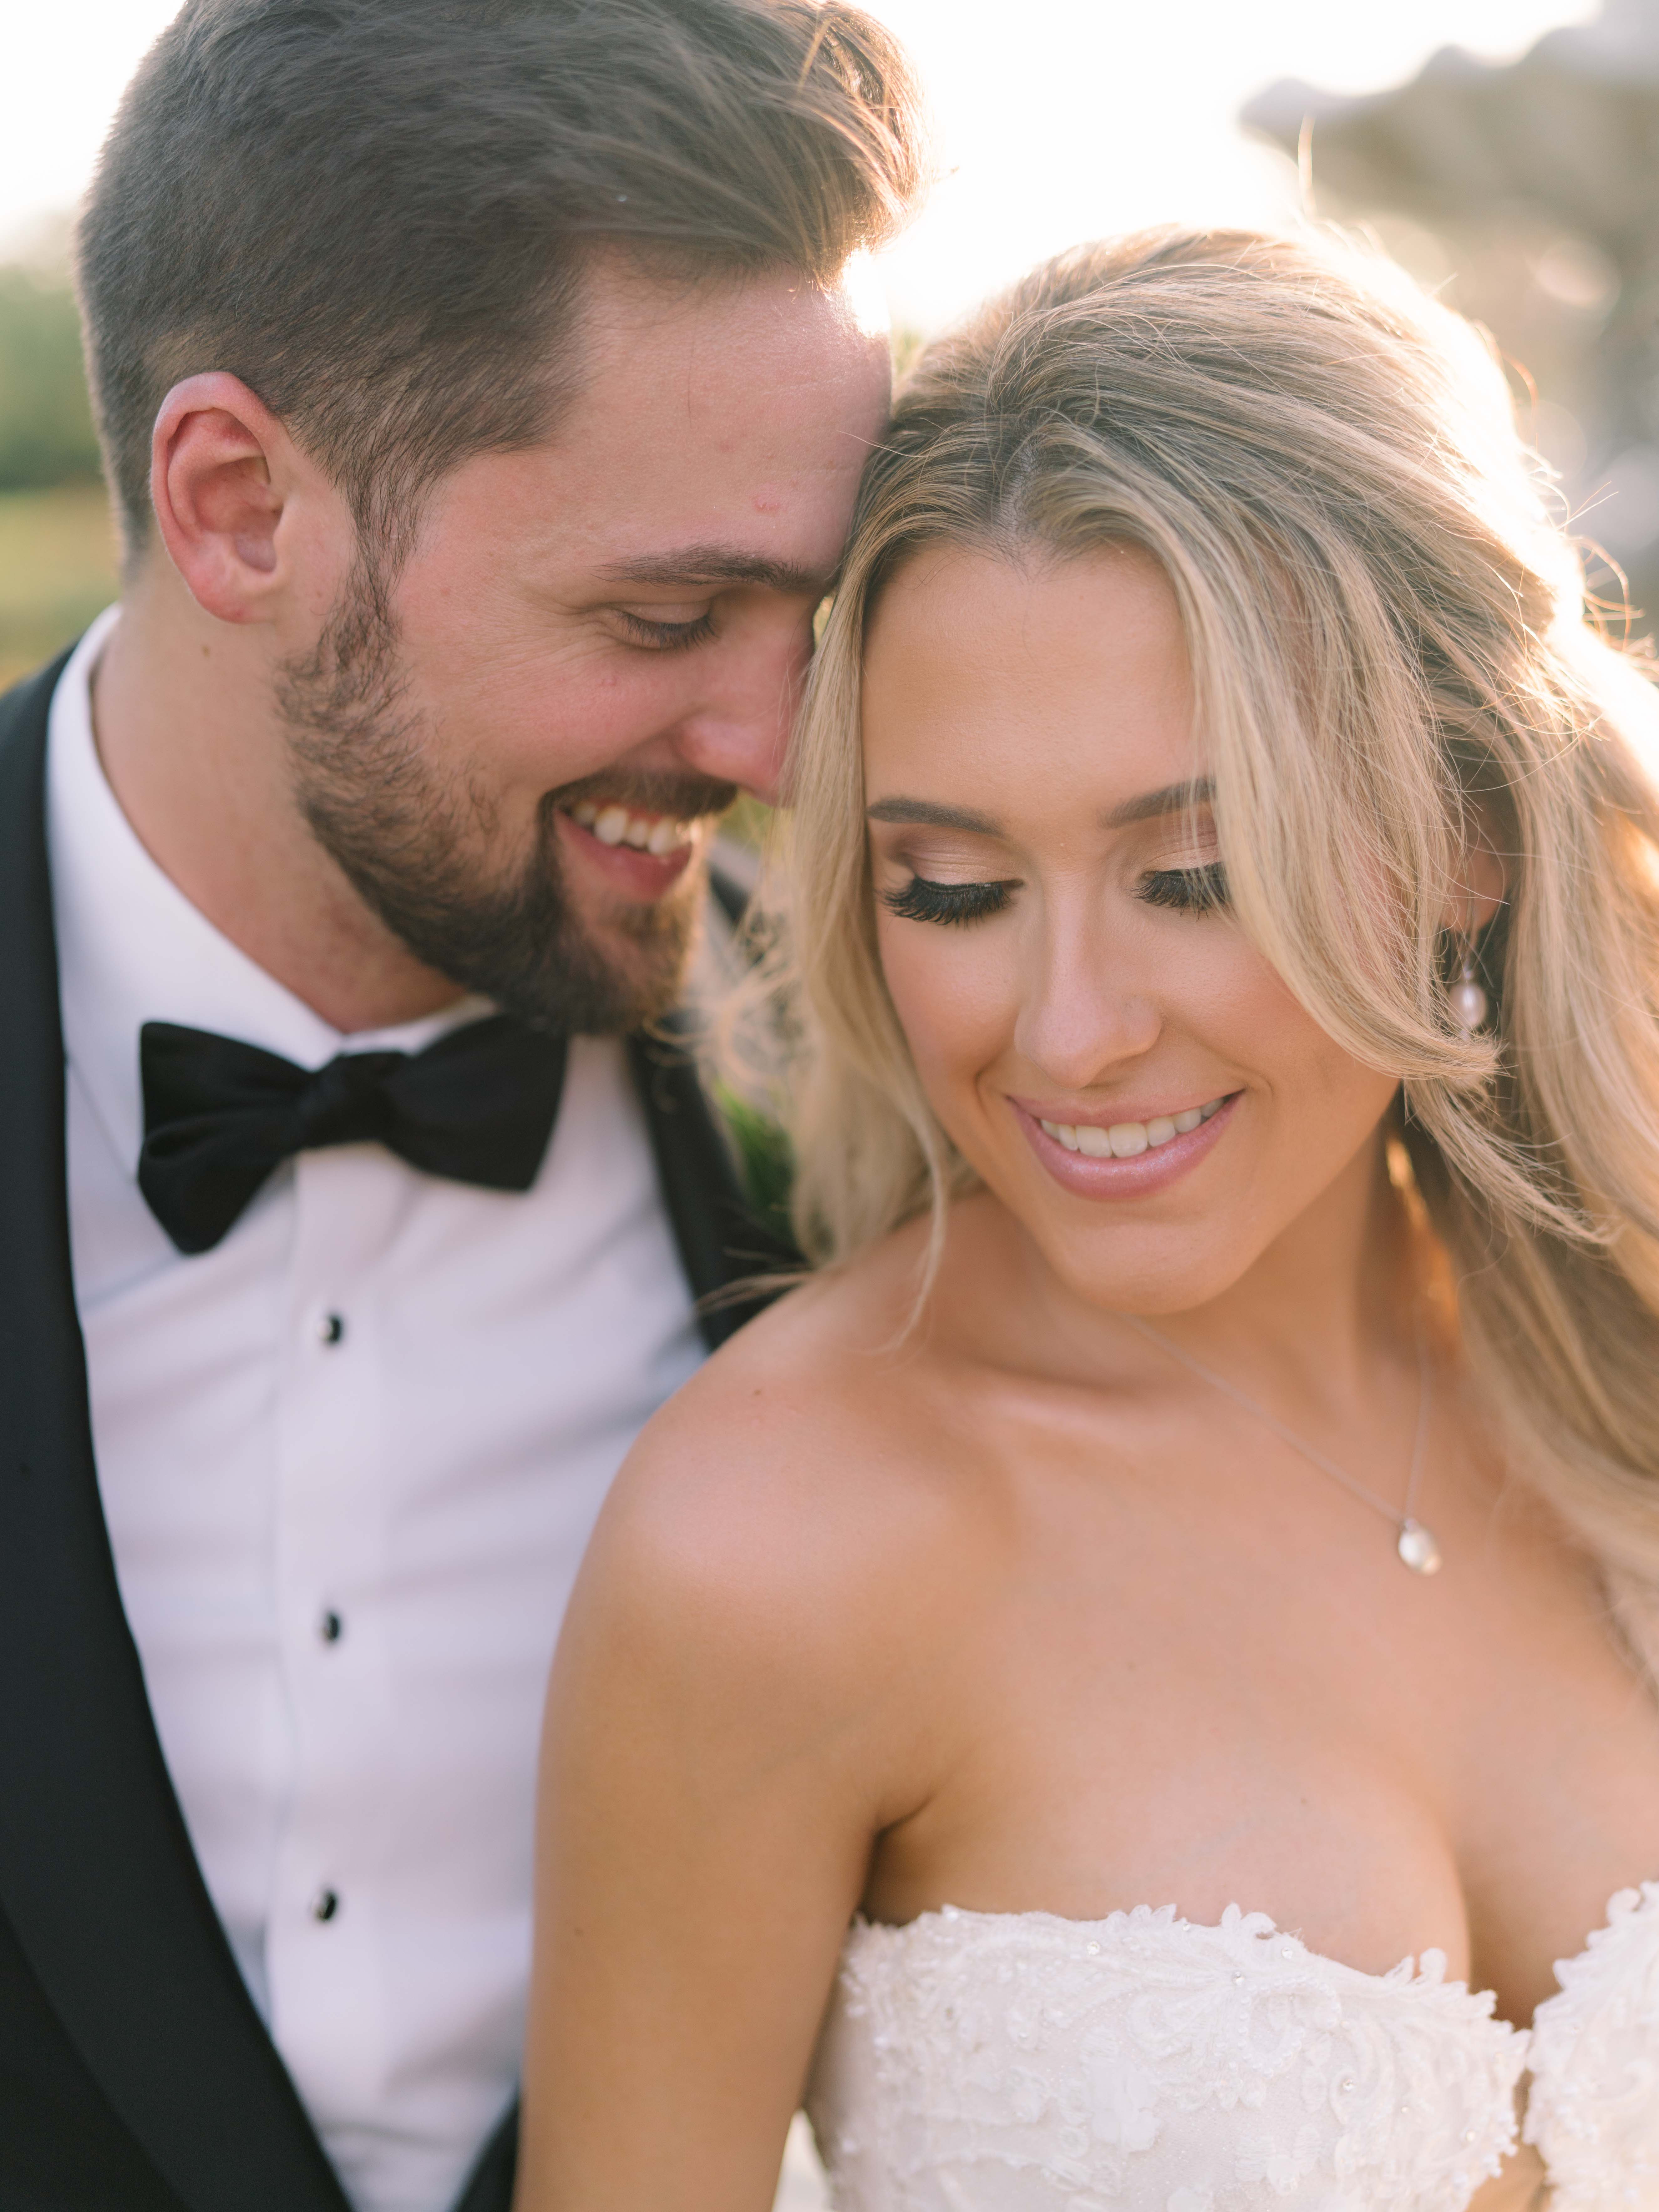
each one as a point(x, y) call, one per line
point(133, 949)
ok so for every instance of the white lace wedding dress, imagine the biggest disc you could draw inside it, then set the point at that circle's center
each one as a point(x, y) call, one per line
point(1018, 2063)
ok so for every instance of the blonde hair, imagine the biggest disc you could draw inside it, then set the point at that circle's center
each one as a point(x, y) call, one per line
point(1390, 649)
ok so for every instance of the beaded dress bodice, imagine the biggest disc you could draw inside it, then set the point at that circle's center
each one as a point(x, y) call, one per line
point(1021, 2062)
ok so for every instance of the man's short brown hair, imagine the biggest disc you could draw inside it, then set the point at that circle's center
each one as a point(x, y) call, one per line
point(374, 211)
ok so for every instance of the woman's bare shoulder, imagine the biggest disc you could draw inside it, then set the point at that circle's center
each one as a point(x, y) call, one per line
point(808, 1478)
point(839, 1367)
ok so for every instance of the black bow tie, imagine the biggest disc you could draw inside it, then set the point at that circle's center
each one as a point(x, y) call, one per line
point(477, 1106)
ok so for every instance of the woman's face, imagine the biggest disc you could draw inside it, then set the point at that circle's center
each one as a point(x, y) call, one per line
point(1122, 1068)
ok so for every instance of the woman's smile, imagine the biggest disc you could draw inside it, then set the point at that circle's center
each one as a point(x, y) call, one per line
point(1124, 1157)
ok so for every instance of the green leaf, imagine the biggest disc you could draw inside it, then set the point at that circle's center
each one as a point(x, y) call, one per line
point(765, 1159)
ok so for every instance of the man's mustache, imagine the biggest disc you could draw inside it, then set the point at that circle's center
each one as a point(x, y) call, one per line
point(681, 798)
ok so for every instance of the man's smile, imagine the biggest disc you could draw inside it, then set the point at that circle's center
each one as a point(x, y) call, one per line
point(648, 832)
point(638, 853)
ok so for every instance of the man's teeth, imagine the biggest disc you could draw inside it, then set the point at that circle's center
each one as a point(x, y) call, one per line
point(1125, 1139)
point(651, 833)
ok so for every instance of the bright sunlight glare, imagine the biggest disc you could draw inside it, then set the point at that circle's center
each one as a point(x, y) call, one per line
point(1058, 120)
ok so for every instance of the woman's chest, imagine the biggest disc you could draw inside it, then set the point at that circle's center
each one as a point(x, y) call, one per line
point(1383, 1765)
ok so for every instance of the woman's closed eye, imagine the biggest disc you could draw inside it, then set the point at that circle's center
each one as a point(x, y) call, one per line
point(1189, 891)
point(1186, 891)
point(922, 899)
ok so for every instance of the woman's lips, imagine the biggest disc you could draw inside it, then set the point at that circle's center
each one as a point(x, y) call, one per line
point(1136, 1175)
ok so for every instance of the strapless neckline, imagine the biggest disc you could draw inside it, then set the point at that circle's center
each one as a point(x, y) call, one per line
point(1417, 1970)
point(978, 2062)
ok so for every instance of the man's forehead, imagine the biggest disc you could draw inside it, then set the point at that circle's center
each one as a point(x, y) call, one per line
point(694, 455)
point(727, 359)
point(672, 476)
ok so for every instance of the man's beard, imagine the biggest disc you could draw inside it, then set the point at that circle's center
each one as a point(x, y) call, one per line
point(414, 844)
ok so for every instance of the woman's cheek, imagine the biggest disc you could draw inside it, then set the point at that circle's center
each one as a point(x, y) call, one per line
point(955, 996)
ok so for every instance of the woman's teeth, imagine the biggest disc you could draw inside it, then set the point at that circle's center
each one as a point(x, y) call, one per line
point(651, 833)
point(1125, 1139)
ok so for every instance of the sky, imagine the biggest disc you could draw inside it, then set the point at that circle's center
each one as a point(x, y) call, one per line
point(1058, 119)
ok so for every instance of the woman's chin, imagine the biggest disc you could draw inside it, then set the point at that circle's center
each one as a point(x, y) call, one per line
point(1157, 1274)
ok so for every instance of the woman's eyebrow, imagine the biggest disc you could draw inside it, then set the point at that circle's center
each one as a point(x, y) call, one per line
point(923, 810)
point(1173, 799)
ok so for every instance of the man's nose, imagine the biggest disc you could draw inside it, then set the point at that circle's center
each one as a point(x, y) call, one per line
point(740, 731)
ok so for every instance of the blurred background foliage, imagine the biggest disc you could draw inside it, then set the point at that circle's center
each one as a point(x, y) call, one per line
point(1527, 195)
point(57, 555)
point(46, 425)
point(58, 568)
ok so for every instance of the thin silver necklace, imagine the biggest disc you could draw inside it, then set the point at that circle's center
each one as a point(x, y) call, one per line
point(1415, 1544)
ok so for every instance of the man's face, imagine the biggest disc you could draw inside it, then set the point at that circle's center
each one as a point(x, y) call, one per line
point(515, 748)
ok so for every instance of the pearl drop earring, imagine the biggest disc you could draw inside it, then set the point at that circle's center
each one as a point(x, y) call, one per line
point(1467, 999)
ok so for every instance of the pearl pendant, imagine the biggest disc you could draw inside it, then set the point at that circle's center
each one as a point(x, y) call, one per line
point(1417, 1547)
point(1468, 1005)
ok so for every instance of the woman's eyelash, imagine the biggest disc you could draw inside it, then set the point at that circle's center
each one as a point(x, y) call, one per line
point(923, 900)
point(669, 637)
point(1189, 891)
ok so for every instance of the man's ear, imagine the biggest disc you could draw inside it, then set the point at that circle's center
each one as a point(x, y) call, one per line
point(221, 470)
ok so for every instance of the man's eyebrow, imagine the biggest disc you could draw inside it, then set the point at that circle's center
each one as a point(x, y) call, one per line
point(717, 564)
point(924, 811)
point(1173, 799)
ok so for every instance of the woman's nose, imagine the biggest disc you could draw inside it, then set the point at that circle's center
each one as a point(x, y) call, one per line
point(1079, 1023)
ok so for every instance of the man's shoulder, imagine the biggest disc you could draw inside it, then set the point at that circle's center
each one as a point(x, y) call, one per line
point(26, 705)
point(25, 720)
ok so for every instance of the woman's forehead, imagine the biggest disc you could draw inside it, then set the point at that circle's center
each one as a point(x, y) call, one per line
point(1073, 670)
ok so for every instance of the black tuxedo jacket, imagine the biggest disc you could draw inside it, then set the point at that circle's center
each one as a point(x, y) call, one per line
point(135, 2074)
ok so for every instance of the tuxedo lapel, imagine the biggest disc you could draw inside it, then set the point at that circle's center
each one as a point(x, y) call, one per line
point(722, 1242)
point(490, 2186)
point(97, 1875)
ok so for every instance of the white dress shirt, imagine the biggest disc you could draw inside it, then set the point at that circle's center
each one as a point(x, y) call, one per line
point(350, 1460)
